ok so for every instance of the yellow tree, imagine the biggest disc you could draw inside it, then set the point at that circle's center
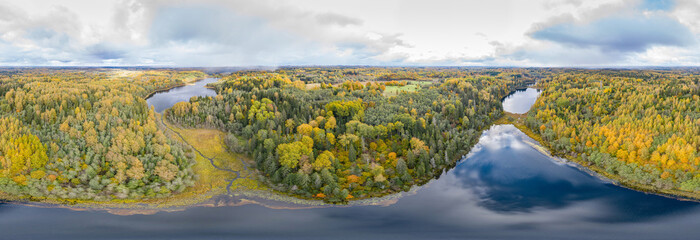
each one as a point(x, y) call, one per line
point(323, 160)
point(291, 153)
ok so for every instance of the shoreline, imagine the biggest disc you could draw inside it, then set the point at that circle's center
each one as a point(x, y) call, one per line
point(219, 194)
point(165, 89)
point(216, 195)
point(278, 200)
point(271, 198)
point(593, 170)
point(193, 196)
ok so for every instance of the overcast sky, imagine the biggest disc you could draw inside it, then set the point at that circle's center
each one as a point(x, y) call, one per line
point(360, 32)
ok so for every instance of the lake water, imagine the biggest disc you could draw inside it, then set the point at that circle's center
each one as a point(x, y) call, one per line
point(520, 101)
point(166, 99)
point(504, 189)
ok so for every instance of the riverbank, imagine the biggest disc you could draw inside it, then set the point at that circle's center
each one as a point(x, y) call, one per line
point(165, 89)
point(518, 120)
point(213, 185)
point(226, 179)
point(223, 180)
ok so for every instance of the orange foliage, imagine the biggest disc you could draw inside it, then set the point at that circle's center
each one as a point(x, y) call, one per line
point(353, 179)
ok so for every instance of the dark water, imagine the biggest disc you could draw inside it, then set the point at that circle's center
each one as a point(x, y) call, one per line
point(520, 101)
point(166, 99)
point(504, 189)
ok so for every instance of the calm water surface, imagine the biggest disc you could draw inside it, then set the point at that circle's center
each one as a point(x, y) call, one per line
point(520, 101)
point(166, 99)
point(504, 189)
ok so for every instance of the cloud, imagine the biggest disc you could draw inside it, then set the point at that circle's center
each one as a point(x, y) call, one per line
point(556, 55)
point(688, 13)
point(190, 33)
point(105, 51)
point(557, 3)
point(212, 26)
point(622, 33)
point(48, 38)
point(315, 32)
point(205, 35)
point(332, 18)
point(619, 34)
point(281, 33)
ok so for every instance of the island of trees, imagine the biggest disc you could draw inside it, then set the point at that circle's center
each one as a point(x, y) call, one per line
point(335, 133)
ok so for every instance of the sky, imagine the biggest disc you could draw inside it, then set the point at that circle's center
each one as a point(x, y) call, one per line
point(213, 33)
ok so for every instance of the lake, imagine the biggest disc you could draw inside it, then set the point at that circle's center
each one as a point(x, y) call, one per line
point(166, 99)
point(503, 189)
point(520, 101)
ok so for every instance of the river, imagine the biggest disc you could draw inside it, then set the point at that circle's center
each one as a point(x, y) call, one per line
point(504, 189)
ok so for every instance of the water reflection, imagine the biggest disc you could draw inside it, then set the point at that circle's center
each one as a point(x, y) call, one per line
point(520, 101)
point(504, 189)
point(166, 99)
point(510, 176)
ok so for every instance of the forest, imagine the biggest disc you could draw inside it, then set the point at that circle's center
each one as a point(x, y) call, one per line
point(331, 133)
point(334, 133)
point(88, 134)
point(642, 126)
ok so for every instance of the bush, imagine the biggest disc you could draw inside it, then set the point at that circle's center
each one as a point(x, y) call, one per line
point(234, 144)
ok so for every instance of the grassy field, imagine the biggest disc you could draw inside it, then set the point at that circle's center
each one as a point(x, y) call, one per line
point(209, 178)
point(410, 87)
point(243, 180)
point(210, 143)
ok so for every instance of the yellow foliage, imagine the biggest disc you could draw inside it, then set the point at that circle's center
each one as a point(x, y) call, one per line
point(38, 174)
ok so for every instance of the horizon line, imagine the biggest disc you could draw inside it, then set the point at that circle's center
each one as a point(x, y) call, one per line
point(362, 66)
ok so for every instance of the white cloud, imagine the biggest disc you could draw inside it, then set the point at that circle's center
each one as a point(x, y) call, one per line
point(688, 13)
point(227, 33)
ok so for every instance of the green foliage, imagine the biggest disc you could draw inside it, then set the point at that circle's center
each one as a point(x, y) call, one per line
point(291, 153)
point(352, 140)
point(236, 145)
point(640, 125)
point(89, 134)
point(323, 161)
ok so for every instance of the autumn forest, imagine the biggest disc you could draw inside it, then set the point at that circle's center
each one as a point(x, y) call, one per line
point(335, 134)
